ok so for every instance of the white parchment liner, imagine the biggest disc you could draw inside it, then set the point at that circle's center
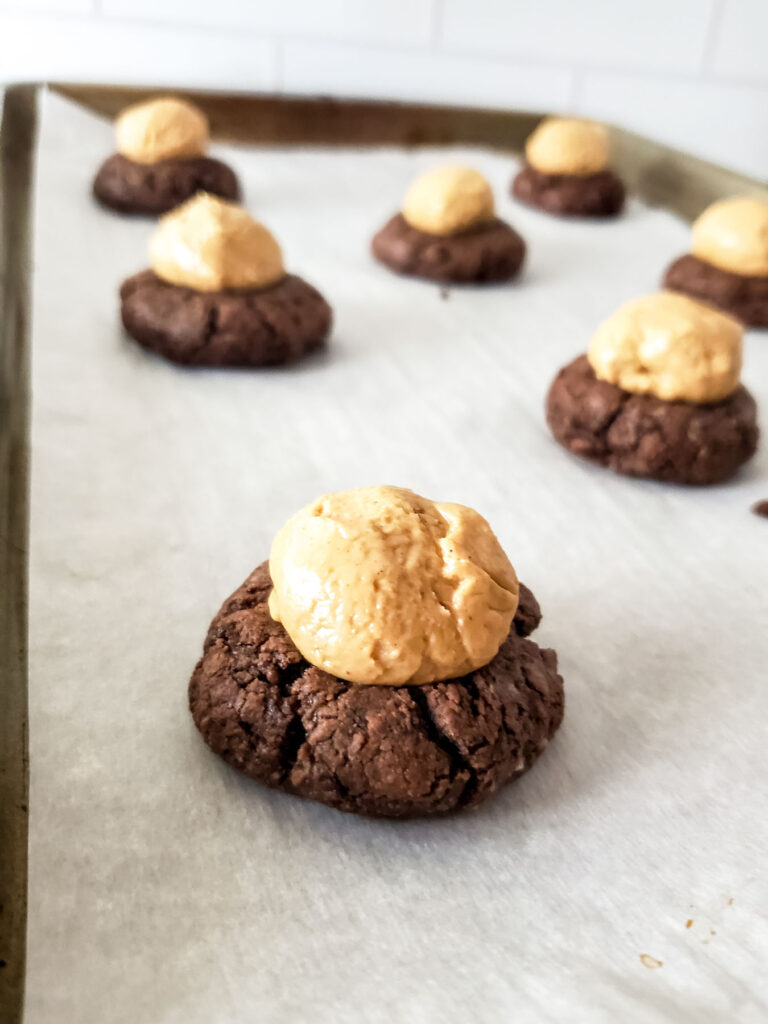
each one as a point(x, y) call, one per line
point(165, 888)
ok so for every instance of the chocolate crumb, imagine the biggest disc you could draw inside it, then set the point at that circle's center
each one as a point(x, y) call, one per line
point(650, 961)
point(760, 508)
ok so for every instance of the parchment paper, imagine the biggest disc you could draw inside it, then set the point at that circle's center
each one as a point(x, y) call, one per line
point(165, 888)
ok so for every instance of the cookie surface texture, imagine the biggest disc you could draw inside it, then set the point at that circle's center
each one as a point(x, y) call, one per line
point(267, 327)
point(744, 297)
point(641, 435)
point(151, 189)
point(488, 253)
point(570, 195)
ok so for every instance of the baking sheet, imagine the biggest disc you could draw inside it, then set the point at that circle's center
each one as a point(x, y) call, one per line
point(164, 887)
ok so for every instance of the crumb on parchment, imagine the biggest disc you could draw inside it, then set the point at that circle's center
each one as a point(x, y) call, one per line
point(650, 961)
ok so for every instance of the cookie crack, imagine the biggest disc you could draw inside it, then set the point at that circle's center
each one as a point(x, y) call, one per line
point(473, 692)
point(211, 325)
point(293, 740)
point(265, 322)
point(543, 695)
point(295, 734)
point(288, 676)
point(605, 428)
point(457, 761)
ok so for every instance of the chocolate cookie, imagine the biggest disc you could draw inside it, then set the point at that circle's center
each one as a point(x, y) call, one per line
point(744, 297)
point(488, 252)
point(130, 187)
point(640, 435)
point(386, 751)
point(570, 195)
point(264, 327)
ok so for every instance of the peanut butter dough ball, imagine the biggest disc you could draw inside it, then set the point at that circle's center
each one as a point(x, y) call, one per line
point(382, 586)
point(658, 394)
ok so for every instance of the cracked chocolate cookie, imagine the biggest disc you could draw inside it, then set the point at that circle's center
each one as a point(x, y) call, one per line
point(218, 293)
point(743, 296)
point(641, 435)
point(231, 327)
point(151, 189)
point(485, 253)
point(569, 195)
point(385, 751)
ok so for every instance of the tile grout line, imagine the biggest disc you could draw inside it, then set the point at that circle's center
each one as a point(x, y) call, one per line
point(710, 39)
point(436, 25)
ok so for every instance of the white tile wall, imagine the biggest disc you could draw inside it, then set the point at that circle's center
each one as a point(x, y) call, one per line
point(406, 22)
point(654, 34)
point(51, 6)
point(724, 123)
point(742, 40)
point(690, 72)
point(101, 50)
point(379, 73)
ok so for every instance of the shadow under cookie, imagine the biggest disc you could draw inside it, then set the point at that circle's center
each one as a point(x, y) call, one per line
point(233, 327)
point(129, 187)
point(744, 297)
point(570, 195)
point(486, 253)
point(383, 751)
point(641, 435)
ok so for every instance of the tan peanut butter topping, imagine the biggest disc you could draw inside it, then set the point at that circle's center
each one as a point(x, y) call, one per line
point(565, 145)
point(380, 585)
point(209, 244)
point(733, 235)
point(161, 130)
point(670, 346)
point(448, 200)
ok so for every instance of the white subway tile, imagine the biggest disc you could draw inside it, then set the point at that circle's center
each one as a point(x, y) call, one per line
point(48, 6)
point(388, 74)
point(95, 51)
point(723, 123)
point(741, 49)
point(653, 34)
point(384, 21)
